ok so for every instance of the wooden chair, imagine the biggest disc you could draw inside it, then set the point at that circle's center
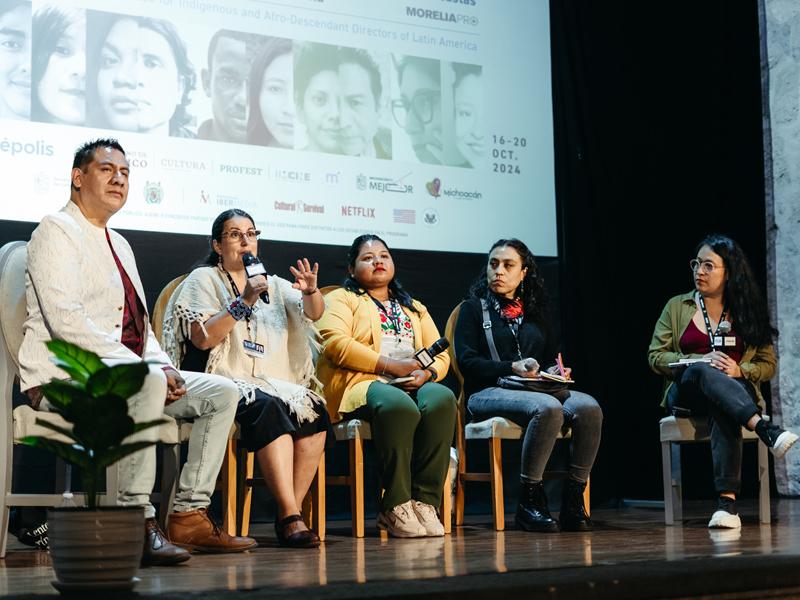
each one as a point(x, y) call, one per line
point(21, 421)
point(675, 431)
point(237, 476)
point(494, 430)
point(355, 432)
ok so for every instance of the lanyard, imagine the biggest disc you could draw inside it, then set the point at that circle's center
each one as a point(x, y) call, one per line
point(236, 292)
point(711, 333)
point(394, 318)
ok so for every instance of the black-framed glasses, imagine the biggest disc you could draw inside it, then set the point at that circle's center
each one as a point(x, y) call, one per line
point(704, 266)
point(250, 235)
point(422, 105)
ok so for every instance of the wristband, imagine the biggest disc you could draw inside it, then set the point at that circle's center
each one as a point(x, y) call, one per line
point(434, 374)
point(239, 310)
point(311, 293)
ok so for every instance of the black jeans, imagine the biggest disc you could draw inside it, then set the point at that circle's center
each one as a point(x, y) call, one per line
point(729, 404)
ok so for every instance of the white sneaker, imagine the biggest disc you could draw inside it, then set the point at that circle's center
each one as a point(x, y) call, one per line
point(401, 522)
point(785, 441)
point(724, 520)
point(428, 518)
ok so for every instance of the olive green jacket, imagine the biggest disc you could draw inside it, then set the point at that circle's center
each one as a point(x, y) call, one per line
point(757, 364)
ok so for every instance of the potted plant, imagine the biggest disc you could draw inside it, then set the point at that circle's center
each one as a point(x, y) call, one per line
point(93, 547)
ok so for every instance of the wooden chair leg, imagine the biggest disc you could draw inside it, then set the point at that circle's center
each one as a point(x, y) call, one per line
point(247, 494)
point(496, 474)
point(446, 509)
point(357, 486)
point(318, 500)
point(587, 496)
point(170, 463)
point(764, 515)
point(462, 468)
point(228, 474)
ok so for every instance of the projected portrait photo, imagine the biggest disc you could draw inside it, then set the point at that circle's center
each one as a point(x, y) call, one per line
point(15, 59)
point(226, 82)
point(272, 109)
point(139, 76)
point(59, 65)
point(361, 88)
point(468, 117)
point(417, 107)
point(339, 97)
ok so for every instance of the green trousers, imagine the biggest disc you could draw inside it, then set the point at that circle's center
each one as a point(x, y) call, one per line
point(412, 435)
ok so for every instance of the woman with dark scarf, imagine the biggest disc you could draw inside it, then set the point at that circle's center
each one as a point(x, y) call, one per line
point(513, 295)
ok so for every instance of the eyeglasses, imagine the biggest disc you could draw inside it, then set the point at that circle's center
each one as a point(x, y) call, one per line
point(422, 106)
point(236, 235)
point(704, 266)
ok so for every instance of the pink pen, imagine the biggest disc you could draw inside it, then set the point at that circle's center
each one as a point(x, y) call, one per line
point(560, 363)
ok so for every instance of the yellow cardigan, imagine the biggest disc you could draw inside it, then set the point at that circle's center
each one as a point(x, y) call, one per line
point(351, 330)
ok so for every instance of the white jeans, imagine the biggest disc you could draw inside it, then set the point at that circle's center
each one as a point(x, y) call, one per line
point(211, 401)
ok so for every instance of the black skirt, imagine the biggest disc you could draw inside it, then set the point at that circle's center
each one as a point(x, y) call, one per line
point(267, 418)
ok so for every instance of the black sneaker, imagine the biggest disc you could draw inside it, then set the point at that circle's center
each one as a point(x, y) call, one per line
point(36, 537)
point(776, 439)
point(726, 516)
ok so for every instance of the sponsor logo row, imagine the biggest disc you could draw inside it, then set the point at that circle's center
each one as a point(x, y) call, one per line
point(154, 194)
point(363, 182)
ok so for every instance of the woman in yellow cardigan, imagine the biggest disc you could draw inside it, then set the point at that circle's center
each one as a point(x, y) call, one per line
point(371, 329)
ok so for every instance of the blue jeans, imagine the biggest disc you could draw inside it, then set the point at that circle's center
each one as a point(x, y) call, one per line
point(729, 404)
point(542, 417)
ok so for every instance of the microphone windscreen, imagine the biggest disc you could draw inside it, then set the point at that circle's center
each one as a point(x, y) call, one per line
point(248, 259)
point(440, 345)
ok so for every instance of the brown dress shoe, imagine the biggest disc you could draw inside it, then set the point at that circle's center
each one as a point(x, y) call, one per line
point(157, 550)
point(196, 532)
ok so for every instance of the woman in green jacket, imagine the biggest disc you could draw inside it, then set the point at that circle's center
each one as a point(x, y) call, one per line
point(714, 348)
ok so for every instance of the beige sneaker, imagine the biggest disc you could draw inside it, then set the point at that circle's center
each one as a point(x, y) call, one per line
point(401, 522)
point(428, 518)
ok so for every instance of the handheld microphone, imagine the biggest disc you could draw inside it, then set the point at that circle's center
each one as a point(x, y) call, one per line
point(253, 267)
point(425, 356)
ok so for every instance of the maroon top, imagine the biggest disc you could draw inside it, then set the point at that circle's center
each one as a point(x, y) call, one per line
point(134, 315)
point(695, 341)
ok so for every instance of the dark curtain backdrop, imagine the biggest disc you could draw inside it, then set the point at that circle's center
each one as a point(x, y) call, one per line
point(658, 141)
point(658, 128)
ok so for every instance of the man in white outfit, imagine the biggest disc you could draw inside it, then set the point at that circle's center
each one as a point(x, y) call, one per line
point(82, 286)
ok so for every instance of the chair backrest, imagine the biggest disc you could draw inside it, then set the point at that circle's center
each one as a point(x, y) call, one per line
point(13, 311)
point(160, 307)
point(326, 289)
point(461, 420)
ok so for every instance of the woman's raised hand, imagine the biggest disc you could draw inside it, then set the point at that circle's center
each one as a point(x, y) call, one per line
point(305, 277)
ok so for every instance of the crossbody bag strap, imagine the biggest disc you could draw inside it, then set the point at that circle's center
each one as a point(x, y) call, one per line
point(487, 329)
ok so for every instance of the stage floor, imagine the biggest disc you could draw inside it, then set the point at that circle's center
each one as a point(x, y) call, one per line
point(630, 554)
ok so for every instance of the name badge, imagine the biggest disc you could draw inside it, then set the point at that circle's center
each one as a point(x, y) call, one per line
point(253, 349)
point(730, 341)
point(718, 340)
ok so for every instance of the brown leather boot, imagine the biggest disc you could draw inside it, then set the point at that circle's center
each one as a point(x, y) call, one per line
point(196, 532)
point(157, 550)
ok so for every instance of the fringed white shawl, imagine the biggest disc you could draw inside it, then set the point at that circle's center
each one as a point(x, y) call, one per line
point(286, 370)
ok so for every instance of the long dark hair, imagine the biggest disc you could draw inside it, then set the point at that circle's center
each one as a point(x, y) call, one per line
point(534, 296)
point(743, 297)
point(396, 290)
point(212, 260)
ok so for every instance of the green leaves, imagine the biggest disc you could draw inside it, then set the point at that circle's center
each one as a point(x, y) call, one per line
point(95, 401)
point(120, 380)
point(80, 364)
